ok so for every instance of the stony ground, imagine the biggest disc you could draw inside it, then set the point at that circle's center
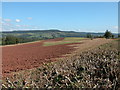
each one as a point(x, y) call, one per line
point(94, 68)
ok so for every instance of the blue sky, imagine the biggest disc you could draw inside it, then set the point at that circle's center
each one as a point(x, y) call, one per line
point(66, 16)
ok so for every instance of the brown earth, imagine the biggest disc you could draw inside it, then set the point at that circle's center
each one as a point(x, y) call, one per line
point(31, 55)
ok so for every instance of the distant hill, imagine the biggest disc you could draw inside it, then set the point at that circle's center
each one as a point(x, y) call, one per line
point(34, 35)
point(47, 34)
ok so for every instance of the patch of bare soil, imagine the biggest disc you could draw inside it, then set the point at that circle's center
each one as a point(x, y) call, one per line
point(31, 55)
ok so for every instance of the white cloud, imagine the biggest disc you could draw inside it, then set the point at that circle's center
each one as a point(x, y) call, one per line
point(10, 25)
point(35, 27)
point(17, 20)
point(29, 18)
point(25, 25)
point(0, 27)
point(17, 25)
point(7, 20)
point(6, 24)
point(115, 27)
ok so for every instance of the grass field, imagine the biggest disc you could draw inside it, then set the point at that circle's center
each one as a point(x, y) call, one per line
point(73, 38)
point(66, 40)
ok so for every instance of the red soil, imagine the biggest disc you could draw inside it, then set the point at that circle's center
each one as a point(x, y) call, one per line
point(31, 55)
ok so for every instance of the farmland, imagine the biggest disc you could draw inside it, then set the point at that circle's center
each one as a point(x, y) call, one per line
point(83, 63)
point(27, 56)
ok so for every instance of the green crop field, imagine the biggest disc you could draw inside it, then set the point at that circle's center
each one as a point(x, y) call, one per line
point(66, 40)
point(73, 38)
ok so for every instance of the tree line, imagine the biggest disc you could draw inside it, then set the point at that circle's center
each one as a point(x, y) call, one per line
point(10, 39)
point(106, 35)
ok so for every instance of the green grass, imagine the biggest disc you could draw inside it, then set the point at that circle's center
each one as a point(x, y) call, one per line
point(73, 38)
point(64, 41)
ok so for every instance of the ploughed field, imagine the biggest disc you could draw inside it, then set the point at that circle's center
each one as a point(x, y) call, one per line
point(32, 55)
point(94, 64)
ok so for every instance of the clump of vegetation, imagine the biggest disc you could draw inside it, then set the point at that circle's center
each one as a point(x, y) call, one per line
point(90, 36)
point(108, 34)
point(118, 35)
point(10, 40)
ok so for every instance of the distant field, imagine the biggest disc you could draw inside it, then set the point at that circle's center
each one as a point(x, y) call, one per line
point(73, 38)
point(66, 40)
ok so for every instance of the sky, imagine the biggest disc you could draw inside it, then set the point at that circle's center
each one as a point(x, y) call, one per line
point(65, 16)
point(60, 0)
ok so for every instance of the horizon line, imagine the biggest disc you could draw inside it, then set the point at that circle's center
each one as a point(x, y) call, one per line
point(57, 30)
